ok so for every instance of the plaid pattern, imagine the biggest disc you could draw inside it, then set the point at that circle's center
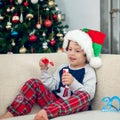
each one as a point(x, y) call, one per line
point(34, 91)
point(79, 101)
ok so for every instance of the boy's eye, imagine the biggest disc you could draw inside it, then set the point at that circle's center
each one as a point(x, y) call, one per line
point(69, 49)
point(78, 51)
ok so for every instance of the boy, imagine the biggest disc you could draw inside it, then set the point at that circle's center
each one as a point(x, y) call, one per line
point(72, 86)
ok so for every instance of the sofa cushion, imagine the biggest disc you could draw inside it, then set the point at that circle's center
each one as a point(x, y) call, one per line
point(88, 115)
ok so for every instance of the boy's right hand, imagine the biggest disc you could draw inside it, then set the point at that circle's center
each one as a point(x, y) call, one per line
point(43, 66)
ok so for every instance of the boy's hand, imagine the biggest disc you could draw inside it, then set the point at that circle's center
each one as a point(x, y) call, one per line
point(67, 78)
point(43, 64)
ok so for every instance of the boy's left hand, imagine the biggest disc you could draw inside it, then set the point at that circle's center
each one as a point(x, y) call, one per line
point(67, 78)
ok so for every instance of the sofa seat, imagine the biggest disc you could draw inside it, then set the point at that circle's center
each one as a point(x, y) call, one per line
point(87, 115)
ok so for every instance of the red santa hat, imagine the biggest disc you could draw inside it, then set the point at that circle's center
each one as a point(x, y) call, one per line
point(91, 42)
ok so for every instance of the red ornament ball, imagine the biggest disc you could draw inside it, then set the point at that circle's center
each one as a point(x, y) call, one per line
point(32, 38)
point(54, 16)
point(26, 3)
point(48, 23)
point(52, 42)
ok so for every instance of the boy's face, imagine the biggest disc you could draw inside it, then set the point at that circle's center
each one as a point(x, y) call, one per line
point(76, 55)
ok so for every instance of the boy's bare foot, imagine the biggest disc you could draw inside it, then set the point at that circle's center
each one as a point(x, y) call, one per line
point(6, 115)
point(42, 115)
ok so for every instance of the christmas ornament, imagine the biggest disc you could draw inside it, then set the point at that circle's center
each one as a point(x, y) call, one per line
point(20, 1)
point(43, 34)
point(46, 61)
point(59, 35)
point(14, 33)
point(59, 17)
point(34, 1)
point(13, 43)
point(1, 3)
point(29, 16)
point(45, 45)
point(64, 31)
point(1, 17)
point(40, 20)
point(22, 50)
point(15, 18)
point(11, 1)
point(8, 9)
point(55, 16)
point(26, 3)
point(38, 25)
point(57, 9)
point(12, 9)
point(48, 23)
point(21, 17)
point(47, 9)
point(52, 42)
point(8, 26)
point(32, 38)
point(51, 3)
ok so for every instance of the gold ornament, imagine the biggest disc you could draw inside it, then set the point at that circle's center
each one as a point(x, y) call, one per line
point(12, 9)
point(59, 17)
point(29, 16)
point(20, 1)
point(59, 35)
point(51, 3)
point(8, 26)
point(22, 50)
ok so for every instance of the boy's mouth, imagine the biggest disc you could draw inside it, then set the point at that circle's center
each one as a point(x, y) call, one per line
point(72, 59)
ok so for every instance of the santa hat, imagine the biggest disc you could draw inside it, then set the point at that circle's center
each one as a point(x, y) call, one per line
point(91, 42)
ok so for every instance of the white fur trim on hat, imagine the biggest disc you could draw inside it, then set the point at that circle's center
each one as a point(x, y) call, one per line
point(84, 40)
point(95, 62)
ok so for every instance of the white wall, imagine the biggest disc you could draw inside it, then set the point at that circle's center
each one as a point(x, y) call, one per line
point(81, 13)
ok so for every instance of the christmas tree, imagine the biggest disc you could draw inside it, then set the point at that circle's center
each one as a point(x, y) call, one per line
point(30, 26)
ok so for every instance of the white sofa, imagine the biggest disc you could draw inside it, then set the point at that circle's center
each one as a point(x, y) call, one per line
point(15, 69)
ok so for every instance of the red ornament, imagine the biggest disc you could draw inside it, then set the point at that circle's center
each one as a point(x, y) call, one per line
point(32, 38)
point(52, 42)
point(26, 3)
point(54, 16)
point(15, 18)
point(48, 23)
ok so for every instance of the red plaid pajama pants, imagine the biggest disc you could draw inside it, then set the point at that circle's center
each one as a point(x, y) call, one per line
point(33, 91)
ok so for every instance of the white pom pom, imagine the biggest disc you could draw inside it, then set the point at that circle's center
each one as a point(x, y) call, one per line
point(95, 62)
